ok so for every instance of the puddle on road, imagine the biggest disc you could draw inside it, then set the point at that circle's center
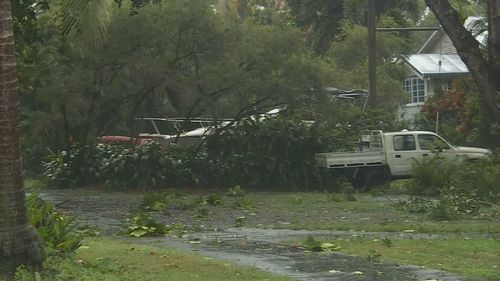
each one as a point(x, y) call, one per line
point(245, 246)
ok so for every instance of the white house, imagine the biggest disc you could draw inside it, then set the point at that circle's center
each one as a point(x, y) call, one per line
point(434, 65)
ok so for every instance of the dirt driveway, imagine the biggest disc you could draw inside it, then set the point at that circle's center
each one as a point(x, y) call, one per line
point(252, 244)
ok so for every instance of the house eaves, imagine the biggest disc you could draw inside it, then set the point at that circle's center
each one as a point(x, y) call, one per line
point(436, 65)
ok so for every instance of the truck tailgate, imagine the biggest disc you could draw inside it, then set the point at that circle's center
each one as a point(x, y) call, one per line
point(334, 160)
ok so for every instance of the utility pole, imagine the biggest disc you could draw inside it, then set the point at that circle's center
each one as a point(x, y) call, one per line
point(372, 79)
point(372, 50)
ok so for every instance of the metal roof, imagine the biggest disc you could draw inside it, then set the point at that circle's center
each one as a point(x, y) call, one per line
point(427, 65)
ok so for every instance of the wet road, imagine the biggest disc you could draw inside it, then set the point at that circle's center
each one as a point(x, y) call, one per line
point(261, 248)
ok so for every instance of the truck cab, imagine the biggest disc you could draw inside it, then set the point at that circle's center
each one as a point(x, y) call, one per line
point(391, 155)
point(405, 147)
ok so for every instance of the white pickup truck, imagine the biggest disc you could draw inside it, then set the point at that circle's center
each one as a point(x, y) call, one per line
point(385, 156)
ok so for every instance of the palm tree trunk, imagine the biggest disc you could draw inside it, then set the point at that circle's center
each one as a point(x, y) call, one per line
point(19, 242)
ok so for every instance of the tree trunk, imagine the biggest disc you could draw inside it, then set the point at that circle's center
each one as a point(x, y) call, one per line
point(494, 38)
point(19, 242)
point(469, 50)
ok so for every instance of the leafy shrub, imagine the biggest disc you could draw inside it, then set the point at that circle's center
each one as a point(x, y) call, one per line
point(480, 179)
point(275, 153)
point(145, 166)
point(156, 202)
point(465, 201)
point(152, 201)
point(417, 205)
point(111, 165)
point(55, 229)
point(245, 203)
point(142, 225)
point(443, 211)
point(236, 191)
point(77, 167)
point(461, 183)
point(453, 203)
point(431, 175)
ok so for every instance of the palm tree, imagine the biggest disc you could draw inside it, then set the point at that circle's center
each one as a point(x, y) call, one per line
point(19, 241)
point(85, 21)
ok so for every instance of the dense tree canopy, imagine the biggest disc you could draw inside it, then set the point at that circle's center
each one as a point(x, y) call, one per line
point(323, 19)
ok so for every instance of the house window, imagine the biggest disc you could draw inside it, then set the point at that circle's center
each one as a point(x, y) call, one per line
point(415, 87)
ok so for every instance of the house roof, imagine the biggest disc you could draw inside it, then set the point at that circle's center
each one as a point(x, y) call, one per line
point(431, 65)
point(439, 42)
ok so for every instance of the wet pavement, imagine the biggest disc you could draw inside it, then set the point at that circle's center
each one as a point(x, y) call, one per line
point(261, 248)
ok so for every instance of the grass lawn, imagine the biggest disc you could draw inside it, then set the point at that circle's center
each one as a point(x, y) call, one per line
point(328, 212)
point(106, 259)
point(476, 258)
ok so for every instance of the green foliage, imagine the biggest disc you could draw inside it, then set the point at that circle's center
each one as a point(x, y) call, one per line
point(452, 204)
point(373, 256)
point(201, 213)
point(245, 203)
point(461, 187)
point(311, 244)
point(462, 117)
point(114, 166)
point(273, 153)
point(339, 197)
point(443, 211)
point(143, 225)
point(56, 230)
point(153, 202)
point(463, 200)
point(71, 168)
point(431, 175)
point(212, 200)
point(276, 153)
point(350, 65)
point(417, 205)
point(322, 19)
point(198, 64)
point(118, 259)
point(236, 191)
point(296, 199)
point(474, 179)
point(386, 242)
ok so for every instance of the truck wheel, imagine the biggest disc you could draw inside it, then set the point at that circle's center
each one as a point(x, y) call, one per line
point(375, 177)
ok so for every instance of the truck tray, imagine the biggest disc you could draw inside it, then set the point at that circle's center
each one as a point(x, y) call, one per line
point(336, 160)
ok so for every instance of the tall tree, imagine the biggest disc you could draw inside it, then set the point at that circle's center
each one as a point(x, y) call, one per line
point(322, 19)
point(19, 242)
point(483, 66)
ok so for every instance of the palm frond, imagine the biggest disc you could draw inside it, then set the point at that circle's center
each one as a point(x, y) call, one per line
point(85, 21)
